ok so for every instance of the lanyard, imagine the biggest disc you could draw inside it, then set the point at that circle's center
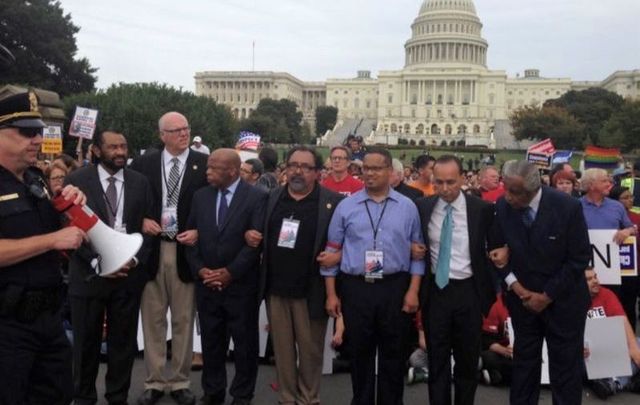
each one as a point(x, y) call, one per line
point(376, 227)
point(166, 183)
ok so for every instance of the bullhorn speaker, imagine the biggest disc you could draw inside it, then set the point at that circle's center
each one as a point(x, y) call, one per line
point(114, 249)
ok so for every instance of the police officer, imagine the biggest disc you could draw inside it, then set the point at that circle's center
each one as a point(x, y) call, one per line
point(35, 356)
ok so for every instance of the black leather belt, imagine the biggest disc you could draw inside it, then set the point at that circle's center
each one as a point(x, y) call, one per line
point(386, 277)
point(167, 239)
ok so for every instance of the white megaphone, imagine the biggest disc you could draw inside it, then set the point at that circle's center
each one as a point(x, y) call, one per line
point(114, 249)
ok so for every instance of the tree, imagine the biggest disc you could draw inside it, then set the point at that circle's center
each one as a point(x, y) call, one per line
point(41, 37)
point(134, 109)
point(592, 107)
point(326, 117)
point(537, 123)
point(277, 121)
point(623, 128)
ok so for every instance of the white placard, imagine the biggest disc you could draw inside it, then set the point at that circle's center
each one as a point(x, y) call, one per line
point(609, 353)
point(83, 124)
point(606, 256)
point(263, 329)
point(329, 353)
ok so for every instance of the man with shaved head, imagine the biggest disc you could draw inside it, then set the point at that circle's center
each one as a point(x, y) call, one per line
point(175, 174)
point(226, 272)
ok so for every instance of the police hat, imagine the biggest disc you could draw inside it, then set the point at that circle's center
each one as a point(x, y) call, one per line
point(21, 111)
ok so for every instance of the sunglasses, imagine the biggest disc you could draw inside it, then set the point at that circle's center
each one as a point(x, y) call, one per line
point(26, 132)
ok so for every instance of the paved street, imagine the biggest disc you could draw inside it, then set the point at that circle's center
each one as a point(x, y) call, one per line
point(336, 390)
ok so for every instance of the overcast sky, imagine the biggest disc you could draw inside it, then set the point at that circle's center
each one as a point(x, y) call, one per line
point(168, 41)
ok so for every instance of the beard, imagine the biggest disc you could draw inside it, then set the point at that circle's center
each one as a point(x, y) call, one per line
point(112, 165)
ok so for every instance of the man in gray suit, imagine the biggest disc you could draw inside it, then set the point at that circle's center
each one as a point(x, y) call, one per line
point(120, 198)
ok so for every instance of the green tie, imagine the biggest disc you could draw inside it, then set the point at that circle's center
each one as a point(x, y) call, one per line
point(444, 254)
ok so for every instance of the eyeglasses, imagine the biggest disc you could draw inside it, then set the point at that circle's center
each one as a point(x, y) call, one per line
point(246, 171)
point(26, 132)
point(56, 178)
point(338, 158)
point(375, 169)
point(177, 130)
point(303, 167)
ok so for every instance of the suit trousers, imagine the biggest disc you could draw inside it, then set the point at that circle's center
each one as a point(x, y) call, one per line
point(122, 307)
point(167, 291)
point(374, 321)
point(232, 312)
point(453, 324)
point(562, 324)
point(299, 371)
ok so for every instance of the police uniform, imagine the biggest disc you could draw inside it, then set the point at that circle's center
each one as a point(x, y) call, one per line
point(35, 355)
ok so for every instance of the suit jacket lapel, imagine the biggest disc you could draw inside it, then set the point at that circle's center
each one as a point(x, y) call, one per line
point(431, 203)
point(324, 216)
point(97, 195)
point(238, 197)
point(189, 170)
point(473, 216)
point(156, 181)
point(544, 217)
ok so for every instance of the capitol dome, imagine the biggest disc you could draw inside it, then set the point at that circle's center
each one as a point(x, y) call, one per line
point(446, 33)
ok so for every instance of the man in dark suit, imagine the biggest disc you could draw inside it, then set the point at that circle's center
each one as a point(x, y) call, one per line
point(459, 287)
point(547, 293)
point(120, 197)
point(226, 270)
point(398, 184)
point(175, 174)
point(295, 290)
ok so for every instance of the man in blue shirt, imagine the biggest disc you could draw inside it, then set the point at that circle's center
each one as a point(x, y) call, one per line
point(378, 280)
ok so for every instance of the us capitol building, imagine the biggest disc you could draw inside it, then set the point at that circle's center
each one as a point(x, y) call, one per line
point(445, 94)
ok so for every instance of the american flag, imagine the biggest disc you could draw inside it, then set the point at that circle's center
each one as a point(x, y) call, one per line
point(248, 141)
point(543, 147)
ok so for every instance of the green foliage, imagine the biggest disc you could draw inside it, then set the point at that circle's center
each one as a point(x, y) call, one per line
point(276, 121)
point(548, 122)
point(42, 40)
point(623, 128)
point(326, 117)
point(591, 107)
point(134, 110)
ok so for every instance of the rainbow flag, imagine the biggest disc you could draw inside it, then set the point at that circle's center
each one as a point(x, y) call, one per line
point(603, 158)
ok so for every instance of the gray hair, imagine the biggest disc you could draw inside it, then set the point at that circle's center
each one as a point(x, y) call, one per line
point(589, 176)
point(397, 166)
point(528, 171)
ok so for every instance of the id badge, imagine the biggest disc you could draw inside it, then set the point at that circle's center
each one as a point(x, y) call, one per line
point(288, 233)
point(374, 264)
point(169, 220)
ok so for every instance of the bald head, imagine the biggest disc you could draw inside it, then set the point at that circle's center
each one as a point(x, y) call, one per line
point(169, 117)
point(223, 167)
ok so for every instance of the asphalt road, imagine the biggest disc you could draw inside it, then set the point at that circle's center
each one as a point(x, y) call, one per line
point(336, 390)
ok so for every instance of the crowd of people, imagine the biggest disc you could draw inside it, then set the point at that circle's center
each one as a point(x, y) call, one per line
point(422, 266)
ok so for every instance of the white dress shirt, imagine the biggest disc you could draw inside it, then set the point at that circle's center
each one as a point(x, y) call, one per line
point(460, 264)
point(119, 184)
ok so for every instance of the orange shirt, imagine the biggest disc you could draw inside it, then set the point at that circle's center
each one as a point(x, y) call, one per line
point(427, 190)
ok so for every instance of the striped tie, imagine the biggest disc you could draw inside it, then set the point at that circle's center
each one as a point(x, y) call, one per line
point(172, 190)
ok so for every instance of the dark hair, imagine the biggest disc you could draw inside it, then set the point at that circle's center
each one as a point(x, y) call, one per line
point(388, 160)
point(448, 159)
point(256, 166)
point(302, 148)
point(98, 138)
point(616, 192)
point(423, 160)
point(269, 158)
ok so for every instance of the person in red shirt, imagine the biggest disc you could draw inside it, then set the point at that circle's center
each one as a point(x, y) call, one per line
point(605, 303)
point(497, 354)
point(490, 186)
point(339, 179)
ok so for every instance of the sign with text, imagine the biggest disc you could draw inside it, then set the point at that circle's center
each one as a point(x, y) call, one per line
point(629, 257)
point(605, 258)
point(83, 124)
point(608, 351)
point(52, 139)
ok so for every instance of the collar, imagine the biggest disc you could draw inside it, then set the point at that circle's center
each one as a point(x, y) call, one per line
point(103, 174)
point(166, 157)
point(232, 188)
point(362, 196)
point(535, 202)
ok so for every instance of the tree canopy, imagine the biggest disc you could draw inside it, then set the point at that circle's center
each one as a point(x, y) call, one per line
point(277, 121)
point(134, 110)
point(326, 117)
point(41, 38)
point(623, 128)
point(548, 122)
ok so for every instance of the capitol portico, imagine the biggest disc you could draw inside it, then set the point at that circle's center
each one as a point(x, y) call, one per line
point(445, 94)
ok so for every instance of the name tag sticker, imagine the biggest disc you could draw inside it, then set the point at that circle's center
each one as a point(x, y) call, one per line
point(374, 264)
point(288, 233)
